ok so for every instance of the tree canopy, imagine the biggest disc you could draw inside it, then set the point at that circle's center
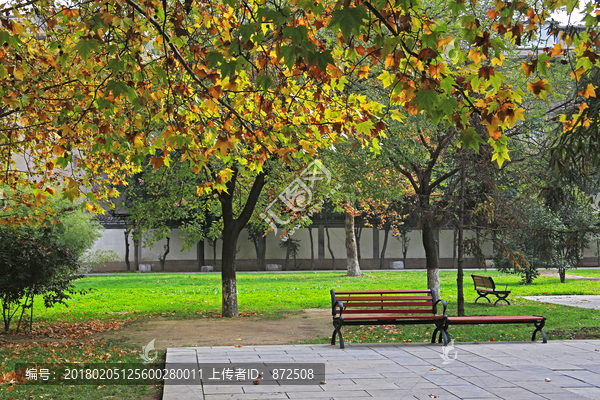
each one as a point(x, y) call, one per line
point(90, 90)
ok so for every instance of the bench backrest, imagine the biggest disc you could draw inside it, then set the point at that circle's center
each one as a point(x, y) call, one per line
point(481, 281)
point(406, 302)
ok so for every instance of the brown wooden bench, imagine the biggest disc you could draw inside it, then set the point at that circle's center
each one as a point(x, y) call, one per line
point(537, 321)
point(484, 285)
point(387, 307)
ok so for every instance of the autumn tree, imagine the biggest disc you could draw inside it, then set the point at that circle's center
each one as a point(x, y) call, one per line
point(93, 88)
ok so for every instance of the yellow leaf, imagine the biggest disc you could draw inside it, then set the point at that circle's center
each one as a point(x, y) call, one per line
point(138, 141)
point(364, 72)
point(17, 28)
point(590, 91)
point(18, 74)
point(577, 74)
point(512, 116)
point(497, 61)
point(476, 56)
point(59, 150)
point(66, 130)
point(556, 50)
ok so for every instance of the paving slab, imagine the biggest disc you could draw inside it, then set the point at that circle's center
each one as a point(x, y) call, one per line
point(583, 301)
point(509, 370)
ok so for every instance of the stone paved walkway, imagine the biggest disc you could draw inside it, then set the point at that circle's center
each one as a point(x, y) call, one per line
point(567, 370)
point(583, 301)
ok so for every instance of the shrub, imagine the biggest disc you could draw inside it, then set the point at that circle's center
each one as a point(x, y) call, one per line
point(33, 262)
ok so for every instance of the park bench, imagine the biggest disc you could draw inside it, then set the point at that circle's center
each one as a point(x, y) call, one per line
point(484, 285)
point(387, 307)
point(537, 321)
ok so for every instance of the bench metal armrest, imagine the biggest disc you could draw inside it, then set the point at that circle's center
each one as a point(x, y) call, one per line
point(340, 305)
point(443, 303)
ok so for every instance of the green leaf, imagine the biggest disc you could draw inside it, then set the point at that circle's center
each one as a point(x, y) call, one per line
point(471, 139)
point(264, 82)
point(447, 83)
point(427, 99)
point(289, 55)
point(85, 47)
point(215, 58)
point(4, 37)
point(116, 66)
point(321, 59)
point(541, 65)
point(246, 31)
point(349, 20)
point(448, 105)
point(117, 87)
point(297, 34)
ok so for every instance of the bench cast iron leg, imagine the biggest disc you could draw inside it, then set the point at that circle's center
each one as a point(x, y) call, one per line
point(443, 334)
point(502, 298)
point(337, 326)
point(484, 295)
point(538, 328)
point(434, 334)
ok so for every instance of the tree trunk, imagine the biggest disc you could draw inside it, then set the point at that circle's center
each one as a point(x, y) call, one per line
point(357, 235)
point(352, 264)
point(461, 249)
point(386, 234)
point(214, 246)
point(404, 248)
point(287, 253)
point(312, 250)
point(260, 245)
point(454, 247)
point(232, 227)
point(329, 246)
point(200, 254)
point(136, 253)
point(127, 263)
point(163, 258)
point(229, 306)
point(431, 252)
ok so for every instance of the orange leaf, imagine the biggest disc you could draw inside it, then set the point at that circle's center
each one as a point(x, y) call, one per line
point(496, 135)
point(590, 91)
point(157, 162)
point(59, 150)
point(215, 91)
point(223, 144)
point(556, 50)
point(577, 74)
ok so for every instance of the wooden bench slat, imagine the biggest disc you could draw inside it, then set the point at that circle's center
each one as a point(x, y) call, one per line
point(381, 291)
point(388, 298)
point(385, 311)
point(493, 318)
point(394, 317)
point(390, 304)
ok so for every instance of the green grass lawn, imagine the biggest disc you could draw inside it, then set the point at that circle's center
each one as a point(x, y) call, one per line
point(269, 294)
point(595, 273)
point(117, 298)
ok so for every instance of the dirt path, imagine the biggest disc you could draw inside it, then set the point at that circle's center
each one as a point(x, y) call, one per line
point(311, 324)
